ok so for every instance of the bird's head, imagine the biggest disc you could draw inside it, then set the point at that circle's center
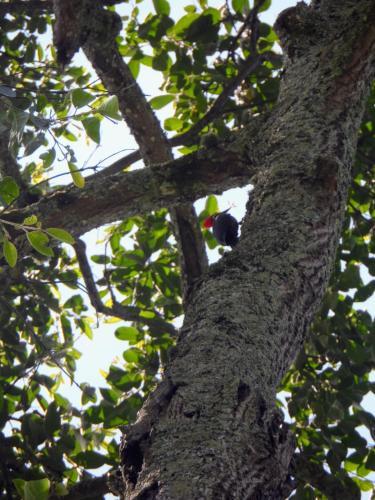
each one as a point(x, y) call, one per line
point(210, 221)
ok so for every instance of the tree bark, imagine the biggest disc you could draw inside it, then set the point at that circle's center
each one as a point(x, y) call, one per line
point(211, 431)
point(109, 198)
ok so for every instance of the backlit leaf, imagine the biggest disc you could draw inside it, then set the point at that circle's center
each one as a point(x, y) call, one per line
point(10, 252)
point(77, 177)
point(60, 234)
point(36, 490)
point(92, 128)
point(162, 7)
point(39, 241)
point(110, 108)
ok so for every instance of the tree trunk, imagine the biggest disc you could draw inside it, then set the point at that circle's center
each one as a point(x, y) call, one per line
point(211, 430)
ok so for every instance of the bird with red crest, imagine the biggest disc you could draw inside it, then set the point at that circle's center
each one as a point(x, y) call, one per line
point(224, 228)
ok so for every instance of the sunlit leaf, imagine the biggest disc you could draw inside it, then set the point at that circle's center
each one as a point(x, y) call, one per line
point(77, 177)
point(10, 252)
point(110, 108)
point(160, 101)
point(81, 98)
point(37, 489)
point(39, 241)
point(162, 7)
point(60, 234)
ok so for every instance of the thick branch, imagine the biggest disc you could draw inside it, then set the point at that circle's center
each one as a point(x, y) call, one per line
point(105, 200)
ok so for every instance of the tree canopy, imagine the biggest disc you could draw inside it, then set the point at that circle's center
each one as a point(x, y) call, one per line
point(221, 72)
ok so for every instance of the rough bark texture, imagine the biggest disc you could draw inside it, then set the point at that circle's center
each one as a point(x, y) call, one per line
point(108, 198)
point(211, 431)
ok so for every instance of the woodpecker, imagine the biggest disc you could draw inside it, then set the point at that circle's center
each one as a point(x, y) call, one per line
point(224, 227)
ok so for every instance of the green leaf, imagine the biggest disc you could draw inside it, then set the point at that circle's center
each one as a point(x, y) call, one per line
point(212, 206)
point(9, 190)
point(20, 486)
point(365, 292)
point(128, 333)
point(110, 108)
point(101, 259)
point(173, 123)
point(134, 66)
point(162, 7)
point(81, 98)
point(370, 462)
point(364, 484)
point(205, 28)
point(110, 395)
point(90, 459)
point(350, 278)
point(48, 157)
point(265, 5)
point(60, 234)
point(92, 128)
point(88, 394)
point(160, 101)
point(132, 355)
point(161, 61)
point(240, 5)
point(37, 490)
point(183, 23)
point(61, 490)
point(30, 221)
point(77, 177)
point(39, 241)
point(10, 252)
point(52, 420)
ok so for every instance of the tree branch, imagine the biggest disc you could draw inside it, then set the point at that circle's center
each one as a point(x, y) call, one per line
point(127, 313)
point(114, 197)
